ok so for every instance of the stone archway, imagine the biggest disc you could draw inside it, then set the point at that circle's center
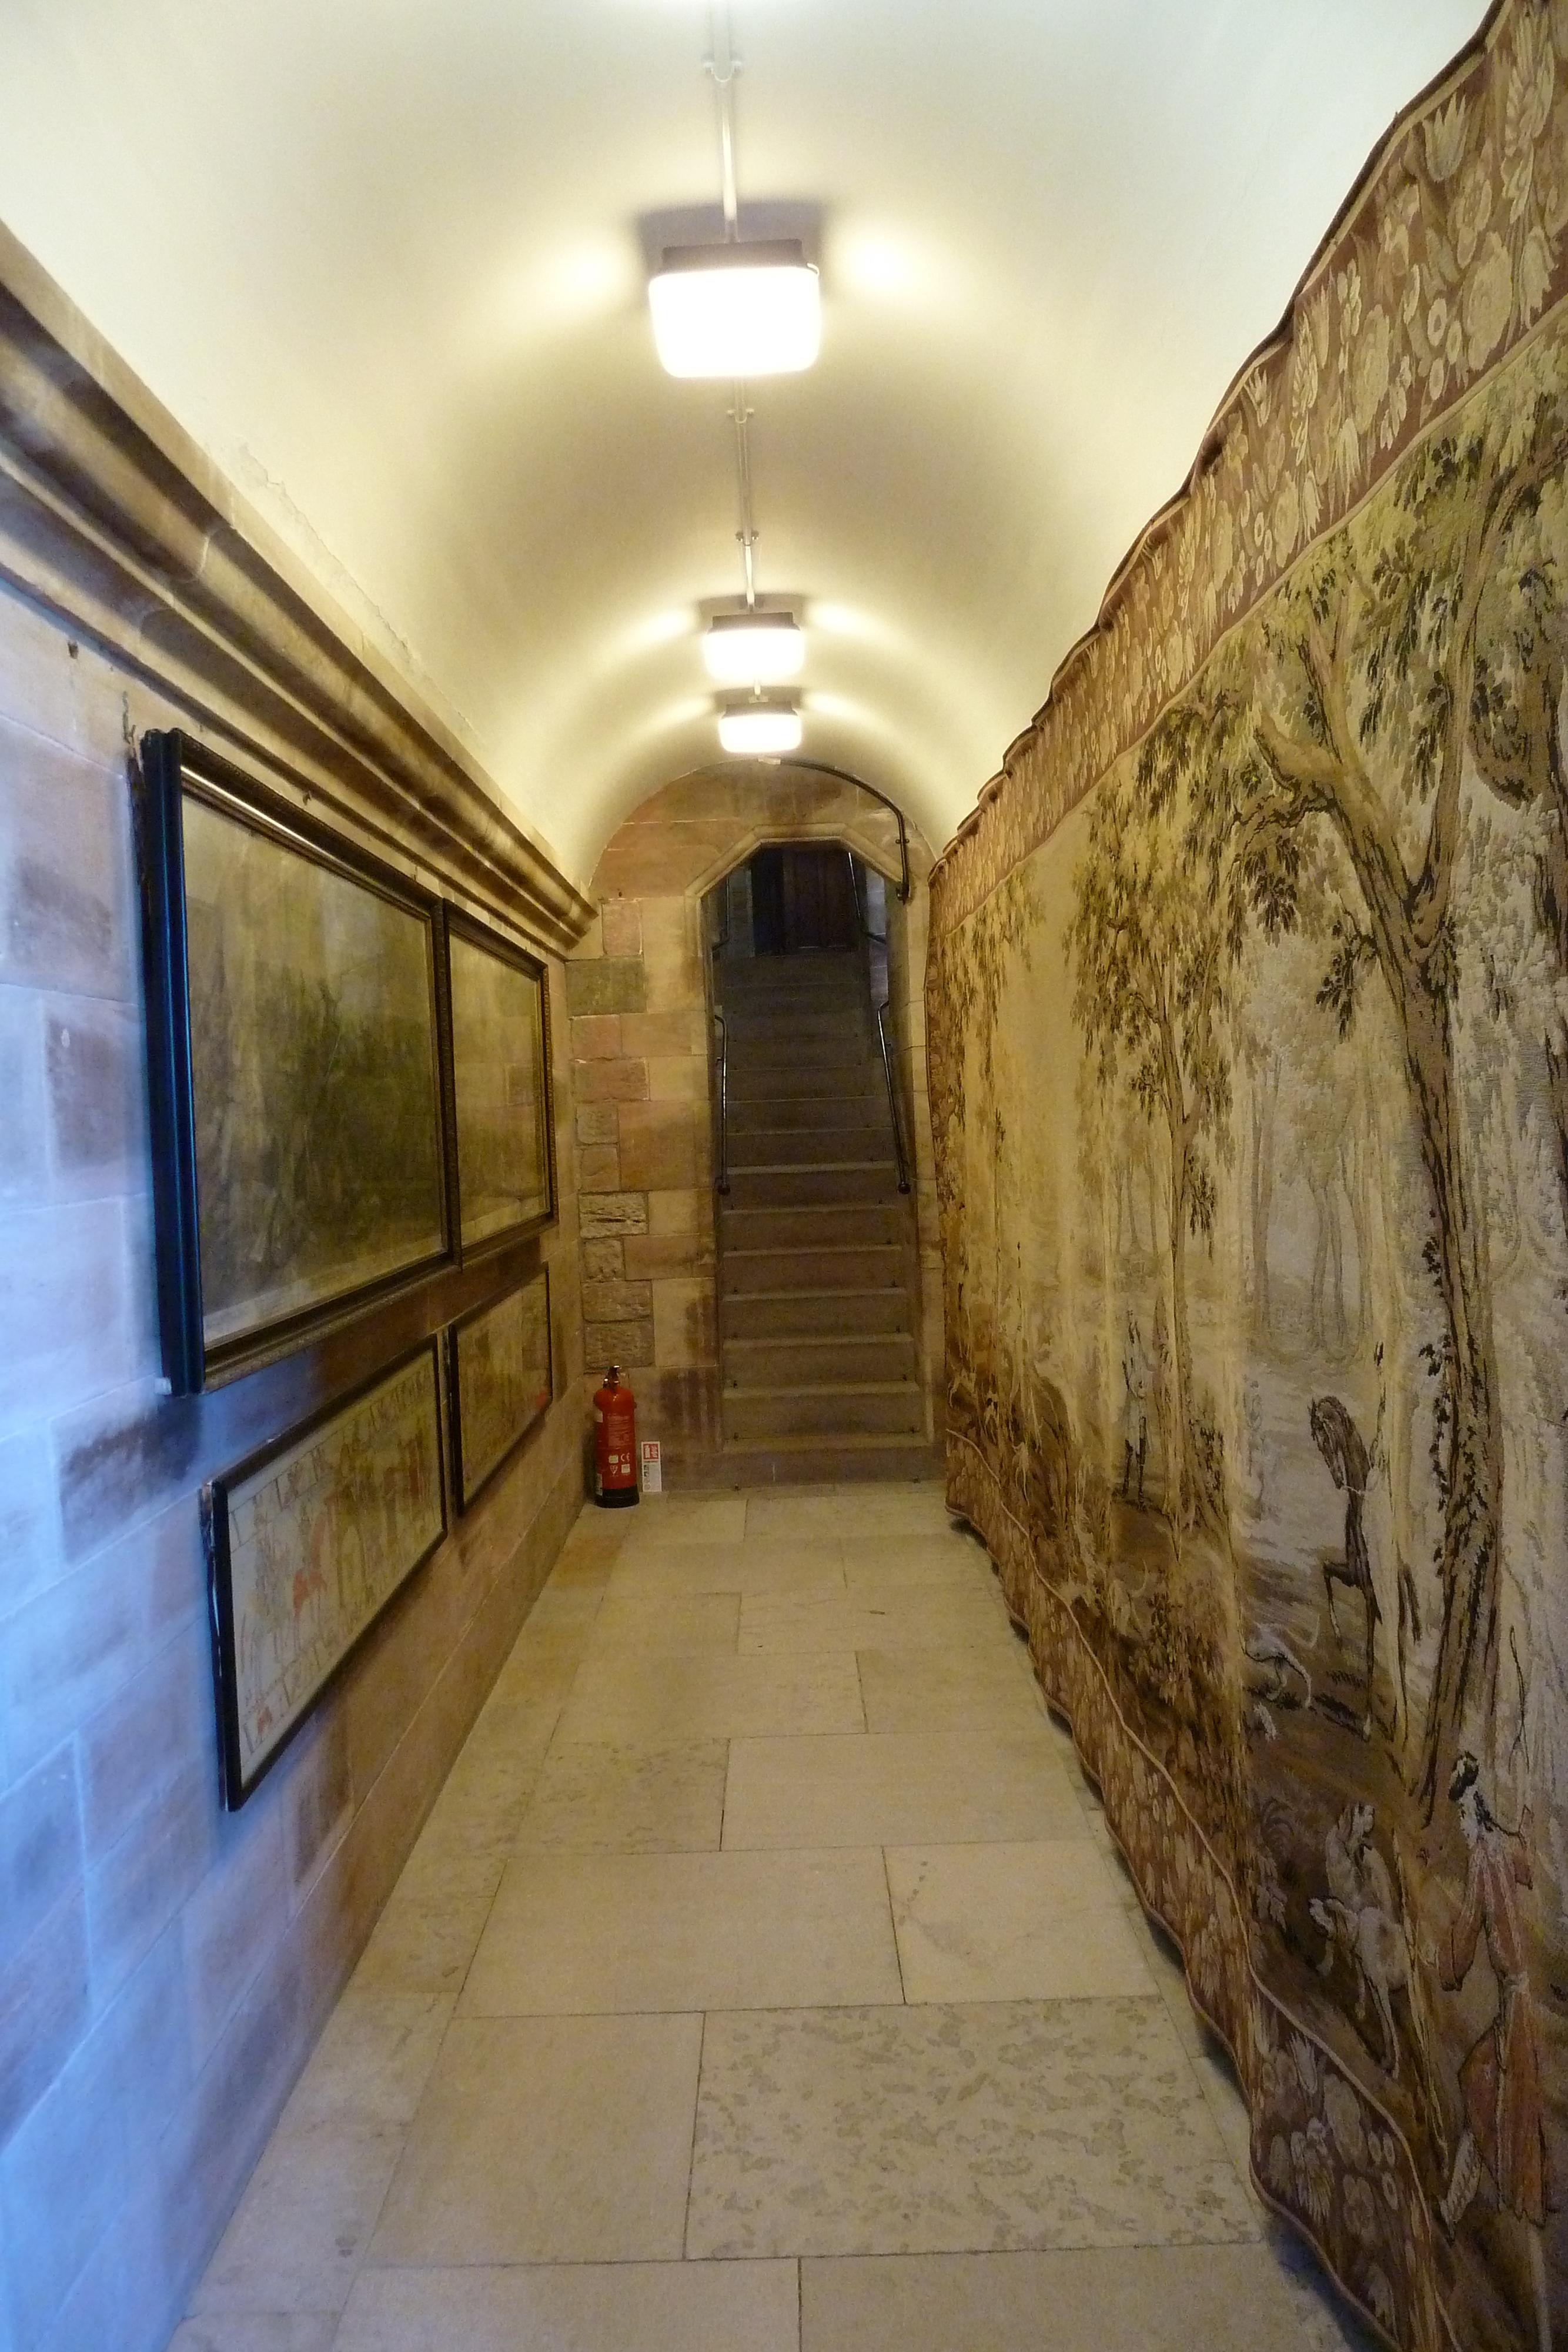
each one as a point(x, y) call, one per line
point(638, 989)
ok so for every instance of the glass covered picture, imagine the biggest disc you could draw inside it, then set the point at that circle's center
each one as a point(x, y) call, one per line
point(308, 1541)
point(318, 1155)
point(294, 1069)
point(500, 1066)
point(500, 1381)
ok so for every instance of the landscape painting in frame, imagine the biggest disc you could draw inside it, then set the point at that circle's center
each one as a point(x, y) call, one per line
point(500, 1381)
point(500, 1085)
point(295, 1078)
point(308, 1542)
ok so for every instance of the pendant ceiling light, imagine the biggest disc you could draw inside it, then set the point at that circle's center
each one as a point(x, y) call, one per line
point(752, 648)
point(736, 309)
point(743, 308)
point(758, 729)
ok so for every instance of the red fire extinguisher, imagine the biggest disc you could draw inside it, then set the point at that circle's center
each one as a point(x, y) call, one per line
point(614, 1441)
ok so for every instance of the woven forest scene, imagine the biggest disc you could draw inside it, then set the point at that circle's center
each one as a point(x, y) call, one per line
point(1247, 1007)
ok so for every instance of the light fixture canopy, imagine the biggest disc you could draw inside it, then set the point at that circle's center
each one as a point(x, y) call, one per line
point(757, 729)
point(753, 648)
point(736, 309)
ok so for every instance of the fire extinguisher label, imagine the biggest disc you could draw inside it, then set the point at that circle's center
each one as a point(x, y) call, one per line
point(653, 1472)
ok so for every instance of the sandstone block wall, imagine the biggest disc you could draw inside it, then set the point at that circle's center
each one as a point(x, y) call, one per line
point(636, 992)
point(164, 1966)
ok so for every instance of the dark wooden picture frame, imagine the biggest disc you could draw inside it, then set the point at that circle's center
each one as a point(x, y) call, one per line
point(484, 1091)
point(335, 1088)
point(486, 1435)
point(304, 1554)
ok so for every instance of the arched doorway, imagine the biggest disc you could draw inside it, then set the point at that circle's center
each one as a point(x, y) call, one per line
point(674, 881)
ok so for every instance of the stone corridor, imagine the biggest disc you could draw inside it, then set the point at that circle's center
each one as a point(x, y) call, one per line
point(763, 1981)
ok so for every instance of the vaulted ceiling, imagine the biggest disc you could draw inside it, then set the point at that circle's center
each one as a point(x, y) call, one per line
point(385, 259)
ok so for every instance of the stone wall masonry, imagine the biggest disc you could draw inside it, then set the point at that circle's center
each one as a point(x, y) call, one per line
point(643, 1134)
point(164, 1967)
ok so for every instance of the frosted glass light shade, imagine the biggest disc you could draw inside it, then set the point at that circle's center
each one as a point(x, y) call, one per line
point(758, 729)
point(754, 649)
point(736, 311)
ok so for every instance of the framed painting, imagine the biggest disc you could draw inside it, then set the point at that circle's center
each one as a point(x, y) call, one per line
point(499, 1381)
point(307, 1541)
point(294, 1064)
point(504, 1159)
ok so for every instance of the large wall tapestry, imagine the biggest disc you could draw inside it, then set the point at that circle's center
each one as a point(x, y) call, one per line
point(1249, 1014)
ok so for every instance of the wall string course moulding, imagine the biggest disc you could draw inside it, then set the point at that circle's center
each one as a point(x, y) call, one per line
point(163, 1967)
point(112, 521)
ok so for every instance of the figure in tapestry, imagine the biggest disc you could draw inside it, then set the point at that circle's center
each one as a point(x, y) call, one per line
point(1247, 1005)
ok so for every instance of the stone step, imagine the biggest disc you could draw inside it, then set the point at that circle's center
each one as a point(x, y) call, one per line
point(795, 1013)
point(797, 1186)
point(791, 1363)
point(787, 1024)
point(810, 1147)
point(833, 1224)
point(774, 1081)
point(835, 1049)
point(808, 1114)
point(793, 979)
point(776, 1114)
point(841, 1312)
point(817, 1084)
point(826, 967)
point(819, 1462)
point(843, 1004)
point(846, 1408)
point(829, 968)
point(854, 1267)
point(835, 1071)
point(808, 1462)
point(780, 1005)
point(789, 1033)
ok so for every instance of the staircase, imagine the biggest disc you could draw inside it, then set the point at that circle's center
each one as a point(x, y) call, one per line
point(816, 1243)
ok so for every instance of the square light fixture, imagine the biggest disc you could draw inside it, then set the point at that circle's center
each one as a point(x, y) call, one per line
point(758, 729)
point(752, 648)
point(736, 311)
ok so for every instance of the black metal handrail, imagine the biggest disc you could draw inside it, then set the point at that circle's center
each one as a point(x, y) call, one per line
point(877, 938)
point(723, 1179)
point(721, 934)
point(843, 775)
point(883, 1009)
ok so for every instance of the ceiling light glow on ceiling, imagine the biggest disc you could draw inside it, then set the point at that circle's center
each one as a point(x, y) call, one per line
point(736, 311)
point(758, 729)
point(754, 649)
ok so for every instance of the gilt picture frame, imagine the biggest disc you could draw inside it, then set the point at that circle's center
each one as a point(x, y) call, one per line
point(296, 1068)
point(502, 1161)
point(500, 1381)
point(308, 1541)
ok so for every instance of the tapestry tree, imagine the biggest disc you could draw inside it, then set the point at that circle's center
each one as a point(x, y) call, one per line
point(1372, 681)
point(1151, 958)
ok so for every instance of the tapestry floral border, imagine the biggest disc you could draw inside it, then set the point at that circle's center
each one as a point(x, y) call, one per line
point(1446, 255)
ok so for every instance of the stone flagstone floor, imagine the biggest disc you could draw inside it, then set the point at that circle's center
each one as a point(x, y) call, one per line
point(763, 1981)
